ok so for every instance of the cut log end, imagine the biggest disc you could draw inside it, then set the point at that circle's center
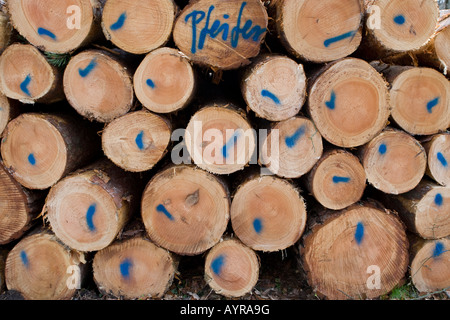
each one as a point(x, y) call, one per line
point(136, 141)
point(134, 269)
point(349, 103)
point(185, 210)
point(231, 268)
point(165, 81)
point(438, 151)
point(6, 112)
point(442, 47)
point(268, 214)
point(138, 27)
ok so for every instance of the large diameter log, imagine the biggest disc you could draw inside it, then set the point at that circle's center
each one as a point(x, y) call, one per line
point(430, 266)
point(275, 88)
point(425, 210)
point(55, 25)
point(438, 153)
point(361, 252)
point(27, 76)
point(319, 31)
point(90, 78)
point(185, 209)
point(338, 180)
point(138, 27)
point(41, 268)
point(231, 268)
point(221, 34)
point(268, 213)
point(349, 103)
point(134, 269)
point(40, 149)
point(291, 148)
point(136, 141)
point(394, 162)
point(89, 208)
point(165, 81)
point(219, 139)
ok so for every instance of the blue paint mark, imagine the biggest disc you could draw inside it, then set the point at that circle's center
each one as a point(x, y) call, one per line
point(344, 36)
point(230, 143)
point(150, 83)
point(438, 249)
point(247, 31)
point(125, 267)
point(439, 200)
point(331, 104)
point(431, 104)
point(400, 19)
point(139, 140)
point(382, 149)
point(442, 159)
point(45, 32)
point(270, 95)
point(337, 179)
point(24, 258)
point(86, 71)
point(32, 159)
point(217, 264)
point(90, 217)
point(24, 85)
point(257, 225)
point(359, 233)
point(291, 141)
point(119, 23)
point(162, 209)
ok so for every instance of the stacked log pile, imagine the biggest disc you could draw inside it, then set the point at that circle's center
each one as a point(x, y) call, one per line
point(137, 133)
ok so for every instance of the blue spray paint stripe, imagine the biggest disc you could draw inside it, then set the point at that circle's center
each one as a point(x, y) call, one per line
point(400, 19)
point(230, 143)
point(119, 23)
point(150, 83)
point(431, 104)
point(139, 140)
point(337, 179)
point(270, 95)
point(86, 71)
point(442, 159)
point(291, 141)
point(257, 225)
point(125, 267)
point(439, 200)
point(32, 159)
point(162, 209)
point(217, 264)
point(24, 85)
point(341, 37)
point(24, 258)
point(382, 149)
point(359, 233)
point(439, 249)
point(45, 32)
point(331, 104)
point(90, 217)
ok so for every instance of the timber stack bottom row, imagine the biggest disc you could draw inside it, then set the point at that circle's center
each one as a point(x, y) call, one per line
point(137, 134)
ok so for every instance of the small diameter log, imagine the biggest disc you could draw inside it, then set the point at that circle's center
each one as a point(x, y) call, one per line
point(349, 103)
point(41, 268)
point(138, 27)
point(275, 88)
point(165, 81)
point(361, 252)
point(3, 255)
point(134, 269)
point(5, 30)
point(89, 208)
point(268, 213)
point(98, 86)
point(18, 207)
point(425, 210)
point(26, 75)
point(430, 266)
point(319, 31)
point(136, 141)
point(291, 148)
point(185, 209)
point(220, 140)
point(221, 34)
point(9, 109)
point(39, 149)
point(58, 26)
point(438, 154)
point(338, 180)
point(394, 162)
point(231, 268)
point(396, 26)
point(420, 98)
